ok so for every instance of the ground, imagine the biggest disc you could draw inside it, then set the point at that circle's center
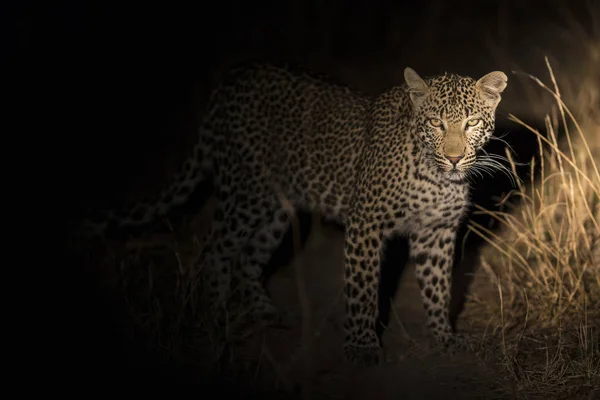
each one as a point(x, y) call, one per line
point(413, 370)
point(306, 361)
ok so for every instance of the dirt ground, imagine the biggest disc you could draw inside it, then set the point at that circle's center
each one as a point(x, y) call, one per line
point(413, 370)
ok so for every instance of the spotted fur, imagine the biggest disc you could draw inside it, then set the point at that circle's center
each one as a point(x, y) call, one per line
point(394, 164)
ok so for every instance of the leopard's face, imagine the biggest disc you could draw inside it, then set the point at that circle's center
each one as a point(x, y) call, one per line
point(455, 119)
point(454, 124)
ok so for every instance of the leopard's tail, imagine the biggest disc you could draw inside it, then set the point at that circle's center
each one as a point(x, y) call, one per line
point(196, 169)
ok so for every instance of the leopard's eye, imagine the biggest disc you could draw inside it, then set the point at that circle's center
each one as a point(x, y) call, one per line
point(435, 122)
point(473, 122)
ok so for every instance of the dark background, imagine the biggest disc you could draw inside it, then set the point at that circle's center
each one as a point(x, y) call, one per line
point(113, 91)
point(125, 82)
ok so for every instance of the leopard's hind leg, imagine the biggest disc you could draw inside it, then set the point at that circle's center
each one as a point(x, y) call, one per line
point(249, 290)
point(249, 224)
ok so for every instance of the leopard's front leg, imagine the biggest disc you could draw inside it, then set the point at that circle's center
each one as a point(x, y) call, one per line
point(363, 244)
point(433, 254)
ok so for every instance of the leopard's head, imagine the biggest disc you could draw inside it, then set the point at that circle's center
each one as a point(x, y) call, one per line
point(455, 117)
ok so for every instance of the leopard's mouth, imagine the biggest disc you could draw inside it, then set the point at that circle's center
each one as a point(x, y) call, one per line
point(450, 169)
point(454, 173)
point(456, 176)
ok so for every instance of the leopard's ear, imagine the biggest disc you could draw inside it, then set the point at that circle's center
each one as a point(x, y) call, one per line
point(490, 86)
point(417, 88)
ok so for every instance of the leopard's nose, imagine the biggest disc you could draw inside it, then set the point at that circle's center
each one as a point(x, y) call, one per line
point(454, 159)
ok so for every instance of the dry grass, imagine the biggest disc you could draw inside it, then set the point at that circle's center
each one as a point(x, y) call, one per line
point(544, 265)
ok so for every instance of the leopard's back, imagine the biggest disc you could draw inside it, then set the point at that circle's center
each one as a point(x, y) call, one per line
point(302, 134)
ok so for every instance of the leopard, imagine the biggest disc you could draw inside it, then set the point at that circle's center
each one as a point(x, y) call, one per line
point(274, 139)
